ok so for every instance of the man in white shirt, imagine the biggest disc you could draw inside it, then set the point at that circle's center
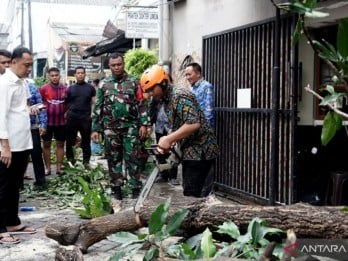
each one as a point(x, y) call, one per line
point(15, 142)
point(5, 59)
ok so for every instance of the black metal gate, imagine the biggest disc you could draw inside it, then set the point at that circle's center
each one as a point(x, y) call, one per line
point(244, 58)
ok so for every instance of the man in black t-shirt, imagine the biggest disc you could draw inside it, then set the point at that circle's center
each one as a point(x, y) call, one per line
point(80, 99)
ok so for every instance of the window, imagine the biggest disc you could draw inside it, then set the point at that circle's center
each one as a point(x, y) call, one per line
point(323, 72)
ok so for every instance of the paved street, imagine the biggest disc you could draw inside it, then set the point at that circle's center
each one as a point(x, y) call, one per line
point(38, 247)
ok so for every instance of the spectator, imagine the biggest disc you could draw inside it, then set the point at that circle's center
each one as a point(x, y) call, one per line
point(5, 60)
point(118, 113)
point(203, 90)
point(79, 105)
point(53, 95)
point(190, 129)
point(15, 142)
point(38, 120)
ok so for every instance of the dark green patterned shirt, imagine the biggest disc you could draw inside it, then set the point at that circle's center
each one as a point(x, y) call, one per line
point(117, 105)
point(182, 107)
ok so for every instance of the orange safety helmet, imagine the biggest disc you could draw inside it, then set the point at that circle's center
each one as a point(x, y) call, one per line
point(152, 76)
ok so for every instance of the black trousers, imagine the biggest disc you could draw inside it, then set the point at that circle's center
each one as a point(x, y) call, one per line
point(36, 157)
point(10, 182)
point(194, 177)
point(83, 126)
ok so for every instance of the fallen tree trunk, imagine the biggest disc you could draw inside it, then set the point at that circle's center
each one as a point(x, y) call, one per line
point(306, 220)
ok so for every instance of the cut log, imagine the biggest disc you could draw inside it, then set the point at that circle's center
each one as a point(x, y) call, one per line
point(305, 220)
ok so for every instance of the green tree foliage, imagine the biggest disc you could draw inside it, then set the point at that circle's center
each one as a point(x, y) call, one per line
point(39, 81)
point(250, 246)
point(138, 60)
point(335, 57)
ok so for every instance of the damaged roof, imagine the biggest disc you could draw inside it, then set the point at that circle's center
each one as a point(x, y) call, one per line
point(70, 32)
point(118, 43)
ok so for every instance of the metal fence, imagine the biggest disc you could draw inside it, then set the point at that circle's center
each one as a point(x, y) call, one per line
point(244, 58)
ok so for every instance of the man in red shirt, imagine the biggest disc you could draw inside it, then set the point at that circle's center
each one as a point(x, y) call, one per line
point(53, 96)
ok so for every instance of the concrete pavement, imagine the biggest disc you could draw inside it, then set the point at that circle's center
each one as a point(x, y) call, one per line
point(38, 247)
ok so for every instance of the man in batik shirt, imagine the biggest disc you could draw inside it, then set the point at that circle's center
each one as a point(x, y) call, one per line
point(190, 129)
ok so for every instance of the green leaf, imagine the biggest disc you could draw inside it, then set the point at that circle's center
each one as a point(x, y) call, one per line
point(342, 39)
point(254, 229)
point(230, 229)
point(84, 185)
point(118, 256)
point(270, 230)
point(311, 4)
point(188, 253)
point(83, 213)
point(158, 217)
point(329, 128)
point(176, 220)
point(160, 236)
point(151, 254)
point(330, 89)
point(298, 31)
point(294, 7)
point(338, 120)
point(326, 50)
point(207, 245)
point(316, 14)
point(262, 242)
point(176, 251)
point(194, 241)
point(243, 239)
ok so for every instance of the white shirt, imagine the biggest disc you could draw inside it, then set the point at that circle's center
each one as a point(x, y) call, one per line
point(14, 114)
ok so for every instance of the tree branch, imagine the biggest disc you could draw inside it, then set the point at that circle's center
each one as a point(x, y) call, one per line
point(332, 107)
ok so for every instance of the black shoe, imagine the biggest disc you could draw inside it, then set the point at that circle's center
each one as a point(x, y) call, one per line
point(161, 179)
point(135, 193)
point(41, 186)
point(117, 193)
point(86, 166)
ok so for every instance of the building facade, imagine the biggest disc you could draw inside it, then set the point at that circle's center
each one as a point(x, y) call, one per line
point(270, 150)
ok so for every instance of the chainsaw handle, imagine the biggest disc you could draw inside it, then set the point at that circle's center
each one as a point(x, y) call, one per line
point(154, 151)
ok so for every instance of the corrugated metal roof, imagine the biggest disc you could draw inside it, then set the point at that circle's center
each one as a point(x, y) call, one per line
point(89, 33)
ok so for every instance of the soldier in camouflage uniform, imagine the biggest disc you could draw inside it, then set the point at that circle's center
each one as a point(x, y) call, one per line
point(122, 117)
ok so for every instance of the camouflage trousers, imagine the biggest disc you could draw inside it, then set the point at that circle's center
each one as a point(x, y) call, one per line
point(123, 145)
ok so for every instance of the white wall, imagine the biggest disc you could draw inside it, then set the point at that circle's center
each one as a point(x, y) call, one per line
point(306, 105)
point(194, 19)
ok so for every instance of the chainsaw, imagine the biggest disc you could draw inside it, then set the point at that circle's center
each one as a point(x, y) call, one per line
point(172, 161)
